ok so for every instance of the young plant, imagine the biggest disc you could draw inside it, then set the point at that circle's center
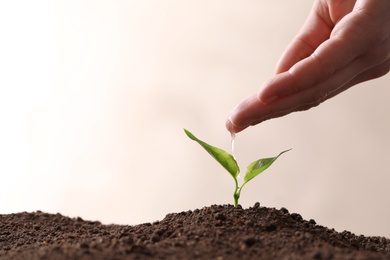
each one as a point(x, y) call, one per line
point(230, 164)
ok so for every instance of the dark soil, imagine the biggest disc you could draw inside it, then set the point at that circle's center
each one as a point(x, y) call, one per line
point(216, 232)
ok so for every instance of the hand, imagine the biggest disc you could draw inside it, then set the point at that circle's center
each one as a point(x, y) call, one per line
point(341, 44)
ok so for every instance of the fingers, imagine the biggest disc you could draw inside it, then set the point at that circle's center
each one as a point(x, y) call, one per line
point(329, 58)
point(315, 30)
point(245, 114)
point(355, 35)
point(337, 48)
point(252, 111)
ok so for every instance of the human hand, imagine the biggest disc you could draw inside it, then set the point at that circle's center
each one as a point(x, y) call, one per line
point(341, 44)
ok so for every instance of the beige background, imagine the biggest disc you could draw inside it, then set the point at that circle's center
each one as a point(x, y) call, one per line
point(94, 96)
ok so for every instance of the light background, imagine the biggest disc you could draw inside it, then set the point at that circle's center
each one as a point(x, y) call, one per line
point(94, 96)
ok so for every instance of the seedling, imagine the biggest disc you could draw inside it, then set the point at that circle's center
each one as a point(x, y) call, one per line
point(230, 164)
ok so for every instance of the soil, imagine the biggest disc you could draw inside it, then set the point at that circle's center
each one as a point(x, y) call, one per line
point(215, 232)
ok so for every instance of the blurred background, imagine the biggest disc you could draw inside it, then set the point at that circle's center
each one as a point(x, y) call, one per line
point(94, 96)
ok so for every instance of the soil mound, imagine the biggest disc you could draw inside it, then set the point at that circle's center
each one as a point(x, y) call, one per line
point(215, 232)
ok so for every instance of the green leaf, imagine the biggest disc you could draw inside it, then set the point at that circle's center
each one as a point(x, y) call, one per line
point(224, 158)
point(259, 166)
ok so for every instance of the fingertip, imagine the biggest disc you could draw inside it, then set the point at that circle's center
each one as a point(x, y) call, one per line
point(244, 114)
point(232, 127)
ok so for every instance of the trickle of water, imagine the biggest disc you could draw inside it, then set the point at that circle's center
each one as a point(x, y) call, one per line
point(233, 139)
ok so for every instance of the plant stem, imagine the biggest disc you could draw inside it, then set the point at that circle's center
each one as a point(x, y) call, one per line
point(236, 194)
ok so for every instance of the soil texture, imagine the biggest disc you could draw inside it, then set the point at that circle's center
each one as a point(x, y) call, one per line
point(215, 232)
